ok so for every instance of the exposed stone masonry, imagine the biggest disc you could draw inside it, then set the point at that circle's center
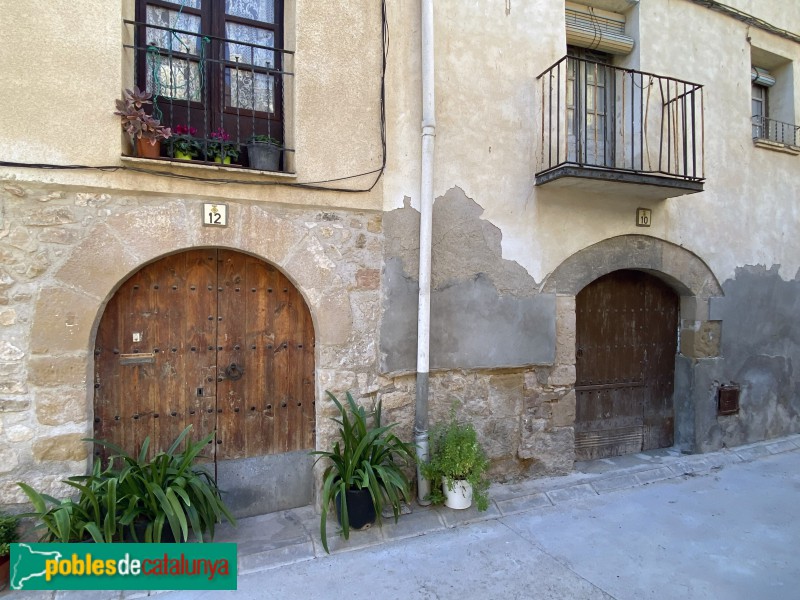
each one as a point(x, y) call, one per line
point(63, 253)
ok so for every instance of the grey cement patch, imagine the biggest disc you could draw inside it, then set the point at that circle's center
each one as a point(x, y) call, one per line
point(486, 311)
point(760, 350)
point(399, 323)
point(265, 484)
point(472, 326)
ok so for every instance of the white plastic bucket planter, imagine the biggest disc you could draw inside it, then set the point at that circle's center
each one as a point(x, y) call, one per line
point(460, 497)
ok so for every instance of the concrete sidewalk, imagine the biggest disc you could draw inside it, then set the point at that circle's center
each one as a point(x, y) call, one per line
point(657, 525)
point(287, 537)
point(654, 525)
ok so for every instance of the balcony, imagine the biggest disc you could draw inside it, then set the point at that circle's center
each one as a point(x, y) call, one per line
point(776, 135)
point(203, 85)
point(619, 131)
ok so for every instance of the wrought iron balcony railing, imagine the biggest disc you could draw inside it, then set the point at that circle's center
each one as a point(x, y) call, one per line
point(776, 131)
point(214, 90)
point(604, 118)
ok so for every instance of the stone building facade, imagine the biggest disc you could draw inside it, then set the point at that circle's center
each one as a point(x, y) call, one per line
point(511, 253)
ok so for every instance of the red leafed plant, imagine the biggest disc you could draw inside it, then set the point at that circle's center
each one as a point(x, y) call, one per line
point(137, 123)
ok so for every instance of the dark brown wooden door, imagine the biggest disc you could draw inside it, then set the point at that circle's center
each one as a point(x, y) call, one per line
point(627, 325)
point(210, 337)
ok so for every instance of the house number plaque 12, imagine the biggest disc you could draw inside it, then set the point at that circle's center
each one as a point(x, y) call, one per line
point(215, 215)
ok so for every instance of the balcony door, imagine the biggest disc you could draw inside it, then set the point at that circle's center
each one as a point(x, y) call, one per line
point(590, 108)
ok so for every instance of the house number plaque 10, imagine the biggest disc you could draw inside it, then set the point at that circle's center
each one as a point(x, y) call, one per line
point(644, 217)
point(215, 215)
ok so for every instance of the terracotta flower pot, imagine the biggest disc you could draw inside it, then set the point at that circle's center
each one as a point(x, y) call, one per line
point(144, 149)
point(4, 568)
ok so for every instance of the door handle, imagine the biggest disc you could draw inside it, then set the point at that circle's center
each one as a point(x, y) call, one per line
point(234, 372)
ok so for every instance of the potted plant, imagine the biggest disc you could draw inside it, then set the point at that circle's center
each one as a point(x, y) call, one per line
point(220, 149)
point(365, 470)
point(264, 152)
point(459, 463)
point(8, 535)
point(145, 131)
point(183, 145)
point(138, 500)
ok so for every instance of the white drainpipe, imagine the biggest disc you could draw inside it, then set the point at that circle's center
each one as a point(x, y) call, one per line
point(425, 235)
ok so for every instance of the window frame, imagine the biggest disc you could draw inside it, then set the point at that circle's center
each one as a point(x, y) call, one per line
point(759, 120)
point(212, 111)
point(584, 150)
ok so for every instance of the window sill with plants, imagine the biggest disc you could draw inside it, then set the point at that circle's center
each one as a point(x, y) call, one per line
point(201, 166)
point(180, 146)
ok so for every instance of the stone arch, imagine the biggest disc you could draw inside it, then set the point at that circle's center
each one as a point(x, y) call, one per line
point(682, 270)
point(125, 242)
point(71, 301)
point(677, 266)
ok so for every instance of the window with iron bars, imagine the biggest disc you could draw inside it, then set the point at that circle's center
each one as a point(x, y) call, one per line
point(216, 69)
point(765, 125)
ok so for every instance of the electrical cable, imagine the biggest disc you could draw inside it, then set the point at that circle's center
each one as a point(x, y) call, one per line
point(749, 19)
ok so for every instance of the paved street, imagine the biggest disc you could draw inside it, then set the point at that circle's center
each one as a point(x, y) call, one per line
point(730, 531)
point(656, 525)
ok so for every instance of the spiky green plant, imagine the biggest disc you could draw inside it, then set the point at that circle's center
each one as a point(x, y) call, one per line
point(365, 457)
point(167, 490)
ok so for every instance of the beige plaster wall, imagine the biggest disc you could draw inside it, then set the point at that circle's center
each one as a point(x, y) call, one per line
point(58, 102)
point(750, 192)
point(488, 130)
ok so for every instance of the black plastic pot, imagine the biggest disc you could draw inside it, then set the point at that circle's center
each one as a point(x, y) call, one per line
point(140, 525)
point(360, 509)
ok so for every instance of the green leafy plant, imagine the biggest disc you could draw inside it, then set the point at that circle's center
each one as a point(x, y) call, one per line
point(136, 501)
point(8, 532)
point(220, 146)
point(456, 454)
point(135, 121)
point(366, 457)
point(184, 141)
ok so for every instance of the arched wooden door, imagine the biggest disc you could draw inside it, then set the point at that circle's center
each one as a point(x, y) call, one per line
point(627, 325)
point(215, 338)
